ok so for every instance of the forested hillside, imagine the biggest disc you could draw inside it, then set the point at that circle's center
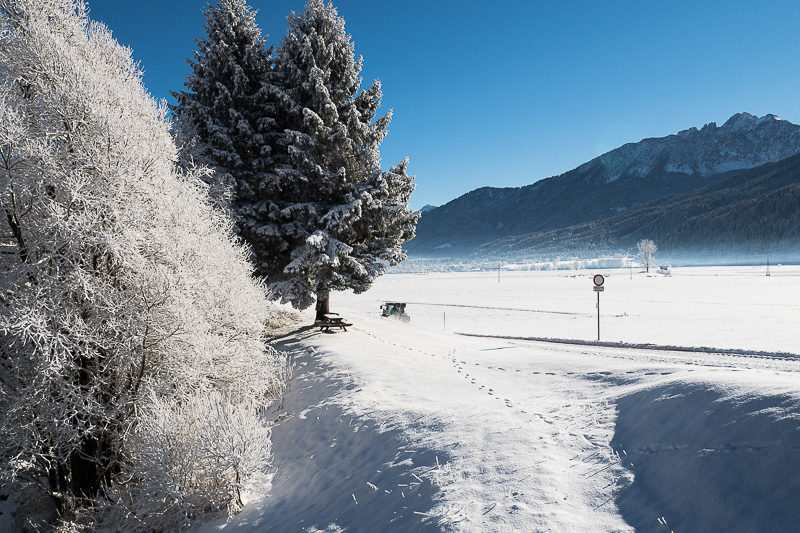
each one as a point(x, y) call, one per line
point(755, 210)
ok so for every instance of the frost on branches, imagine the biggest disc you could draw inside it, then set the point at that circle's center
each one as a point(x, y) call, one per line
point(323, 215)
point(127, 313)
point(647, 251)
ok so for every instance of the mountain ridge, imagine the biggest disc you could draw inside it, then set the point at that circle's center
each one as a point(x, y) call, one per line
point(630, 176)
point(752, 210)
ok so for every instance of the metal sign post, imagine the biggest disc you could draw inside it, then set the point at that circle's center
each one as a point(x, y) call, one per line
point(598, 281)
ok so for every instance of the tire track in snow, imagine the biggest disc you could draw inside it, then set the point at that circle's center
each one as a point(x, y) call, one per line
point(521, 310)
point(727, 362)
point(737, 352)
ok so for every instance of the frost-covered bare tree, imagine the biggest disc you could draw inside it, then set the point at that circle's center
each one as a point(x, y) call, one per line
point(126, 308)
point(647, 252)
point(322, 214)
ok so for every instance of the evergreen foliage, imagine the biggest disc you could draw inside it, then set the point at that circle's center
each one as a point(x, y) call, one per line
point(319, 213)
point(225, 119)
point(344, 216)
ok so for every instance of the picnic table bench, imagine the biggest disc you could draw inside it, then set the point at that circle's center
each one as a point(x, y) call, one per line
point(329, 321)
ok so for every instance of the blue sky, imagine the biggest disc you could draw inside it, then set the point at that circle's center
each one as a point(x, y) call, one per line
point(504, 93)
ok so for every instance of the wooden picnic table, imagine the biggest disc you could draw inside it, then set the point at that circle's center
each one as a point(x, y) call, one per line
point(329, 321)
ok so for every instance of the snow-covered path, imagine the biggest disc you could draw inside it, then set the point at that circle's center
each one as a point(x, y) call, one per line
point(552, 437)
point(336, 471)
point(528, 427)
point(534, 436)
point(528, 443)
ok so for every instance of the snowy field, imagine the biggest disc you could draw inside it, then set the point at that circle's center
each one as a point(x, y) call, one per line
point(517, 435)
point(724, 307)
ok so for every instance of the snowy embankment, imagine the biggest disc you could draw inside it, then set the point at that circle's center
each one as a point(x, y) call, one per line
point(334, 470)
point(533, 436)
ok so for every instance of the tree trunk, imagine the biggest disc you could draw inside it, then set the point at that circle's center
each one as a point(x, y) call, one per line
point(84, 475)
point(323, 303)
point(16, 230)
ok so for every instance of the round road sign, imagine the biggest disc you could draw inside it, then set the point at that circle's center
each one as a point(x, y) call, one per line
point(598, 280)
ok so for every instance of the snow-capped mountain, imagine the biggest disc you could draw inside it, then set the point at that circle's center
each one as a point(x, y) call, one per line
point(625, 178)
point(743, 141)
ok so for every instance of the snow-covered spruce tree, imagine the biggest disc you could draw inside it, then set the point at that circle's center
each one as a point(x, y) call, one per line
point(224, 118)
point(124, 302)
point(315, 207)
point(335, 217)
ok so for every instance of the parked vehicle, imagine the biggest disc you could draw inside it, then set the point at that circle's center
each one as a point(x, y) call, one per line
point(395, 310)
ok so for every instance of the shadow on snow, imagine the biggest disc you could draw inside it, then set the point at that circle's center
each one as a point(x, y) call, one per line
point(703, 462)
point(336, 472)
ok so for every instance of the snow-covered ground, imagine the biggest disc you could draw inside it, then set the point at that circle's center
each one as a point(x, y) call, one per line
point(534, 436)
point(730, 307)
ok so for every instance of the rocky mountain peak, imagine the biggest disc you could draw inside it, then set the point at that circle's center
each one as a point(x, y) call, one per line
point(743, 141)
point(741, 121)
